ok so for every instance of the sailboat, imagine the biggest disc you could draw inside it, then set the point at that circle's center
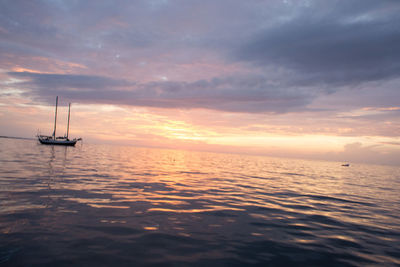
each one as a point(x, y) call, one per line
point(61, 140)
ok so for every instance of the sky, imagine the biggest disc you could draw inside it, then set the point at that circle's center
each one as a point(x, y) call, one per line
point(309, 79)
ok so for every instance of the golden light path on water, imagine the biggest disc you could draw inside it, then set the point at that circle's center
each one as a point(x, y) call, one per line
point(193, 206)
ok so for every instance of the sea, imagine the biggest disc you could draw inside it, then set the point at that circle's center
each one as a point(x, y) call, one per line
point(105, 205)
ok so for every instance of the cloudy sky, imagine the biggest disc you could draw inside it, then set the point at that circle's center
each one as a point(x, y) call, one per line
point(315, 79)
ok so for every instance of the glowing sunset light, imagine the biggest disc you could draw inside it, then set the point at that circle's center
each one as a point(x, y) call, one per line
point(284, 78)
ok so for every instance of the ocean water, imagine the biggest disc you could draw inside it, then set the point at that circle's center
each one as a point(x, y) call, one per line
point(99, 205)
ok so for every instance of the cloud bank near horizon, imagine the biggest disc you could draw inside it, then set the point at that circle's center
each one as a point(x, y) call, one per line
point(233, 94)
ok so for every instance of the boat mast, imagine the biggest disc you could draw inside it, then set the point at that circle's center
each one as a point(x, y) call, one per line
point(69, 109)
point(55, 120)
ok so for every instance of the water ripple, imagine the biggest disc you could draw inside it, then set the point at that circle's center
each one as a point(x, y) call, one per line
point(104, 205)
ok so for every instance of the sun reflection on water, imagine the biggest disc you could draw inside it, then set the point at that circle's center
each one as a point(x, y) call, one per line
point(230, 203)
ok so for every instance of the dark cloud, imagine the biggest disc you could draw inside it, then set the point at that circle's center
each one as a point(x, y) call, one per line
point(62, 81)
point(227, 94)
point(333, 43)
point(304, 48)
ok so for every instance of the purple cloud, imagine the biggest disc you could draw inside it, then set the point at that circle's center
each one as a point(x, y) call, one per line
point(358, 41)
point(287, 53)
point(234, 94)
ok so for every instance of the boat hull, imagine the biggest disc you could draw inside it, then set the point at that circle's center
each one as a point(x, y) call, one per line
point(58, 142)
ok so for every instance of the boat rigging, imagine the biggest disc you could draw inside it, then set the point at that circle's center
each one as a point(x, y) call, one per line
point(60, 140)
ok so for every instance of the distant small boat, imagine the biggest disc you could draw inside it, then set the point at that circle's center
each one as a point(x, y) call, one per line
point(61, 140)
point(346, 165)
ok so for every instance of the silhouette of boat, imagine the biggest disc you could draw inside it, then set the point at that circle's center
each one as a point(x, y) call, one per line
point(60, 140)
